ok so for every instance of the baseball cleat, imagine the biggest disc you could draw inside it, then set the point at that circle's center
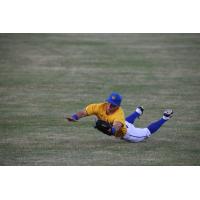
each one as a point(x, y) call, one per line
point(140, 110)
point(167, 114)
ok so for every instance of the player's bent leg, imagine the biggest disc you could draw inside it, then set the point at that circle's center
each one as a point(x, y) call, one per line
point(139, 134)
point(136, 114)
point(154, 126)
point(136, 134)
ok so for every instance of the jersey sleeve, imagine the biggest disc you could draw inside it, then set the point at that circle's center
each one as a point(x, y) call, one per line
point(120, 117)
point(92, 109)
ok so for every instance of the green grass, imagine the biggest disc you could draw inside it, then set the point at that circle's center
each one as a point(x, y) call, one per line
point(44, 76)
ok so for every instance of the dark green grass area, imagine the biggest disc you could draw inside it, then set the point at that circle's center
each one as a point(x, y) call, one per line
point(44, 76)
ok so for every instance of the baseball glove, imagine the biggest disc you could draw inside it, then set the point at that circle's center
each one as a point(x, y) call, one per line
point(103, 126)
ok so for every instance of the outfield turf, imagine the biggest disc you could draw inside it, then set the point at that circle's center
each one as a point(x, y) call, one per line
point(44, 76)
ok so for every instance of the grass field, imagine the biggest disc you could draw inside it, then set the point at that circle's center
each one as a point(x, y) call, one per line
point(44, 76)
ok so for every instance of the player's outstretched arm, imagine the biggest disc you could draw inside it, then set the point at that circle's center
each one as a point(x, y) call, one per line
point(75, 117)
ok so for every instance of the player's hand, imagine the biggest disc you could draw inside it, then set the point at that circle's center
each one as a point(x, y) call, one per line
point(71, 118)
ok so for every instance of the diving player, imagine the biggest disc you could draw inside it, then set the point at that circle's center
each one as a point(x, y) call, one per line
point(111, 112)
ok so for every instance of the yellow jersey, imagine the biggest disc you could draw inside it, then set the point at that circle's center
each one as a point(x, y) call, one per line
point(99, 110)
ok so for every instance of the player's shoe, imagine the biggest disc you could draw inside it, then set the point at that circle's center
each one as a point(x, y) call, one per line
point(140, 110)
point(167, 114)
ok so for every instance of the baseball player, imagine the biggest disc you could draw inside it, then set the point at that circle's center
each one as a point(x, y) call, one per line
point(111, 119)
